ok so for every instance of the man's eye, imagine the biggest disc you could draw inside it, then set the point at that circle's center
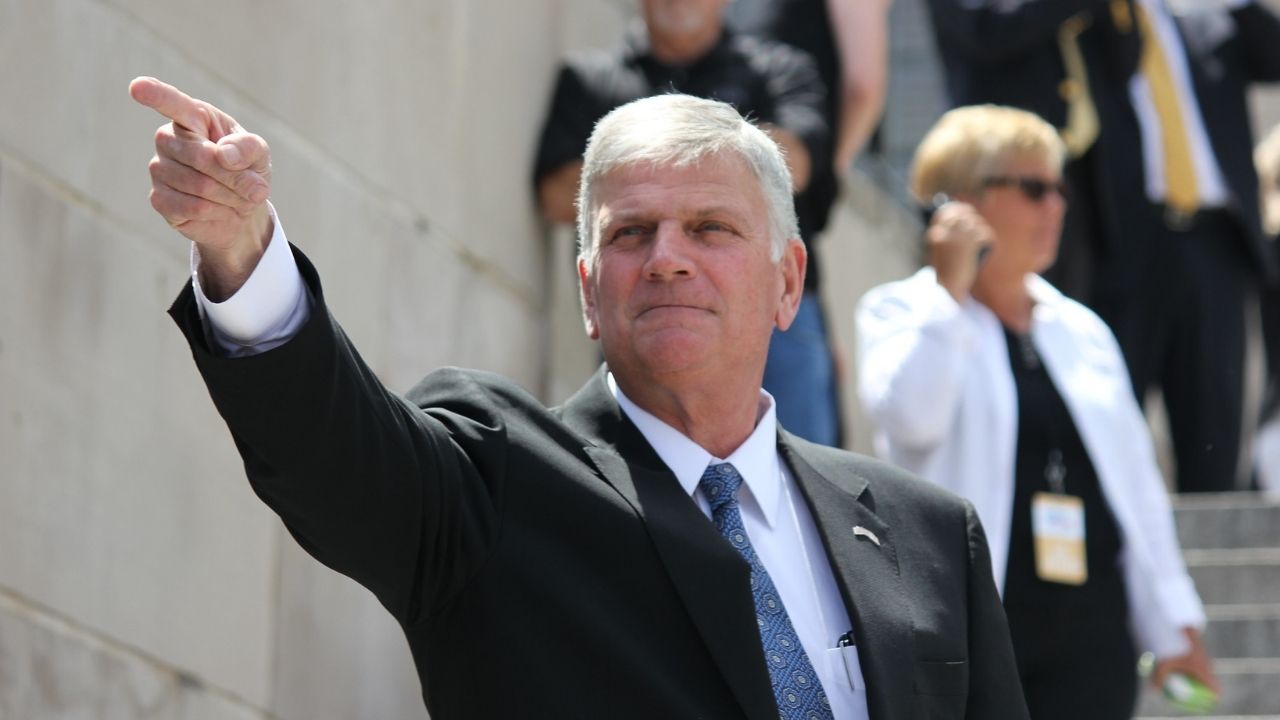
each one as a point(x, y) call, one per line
point(713, 227)
point(628, 231)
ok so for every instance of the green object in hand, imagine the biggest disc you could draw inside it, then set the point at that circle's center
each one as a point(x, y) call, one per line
point(1188, 694)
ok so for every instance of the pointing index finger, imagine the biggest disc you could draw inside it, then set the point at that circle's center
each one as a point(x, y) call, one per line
point(170, 102)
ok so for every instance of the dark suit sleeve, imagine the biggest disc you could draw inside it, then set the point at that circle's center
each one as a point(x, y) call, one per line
point(369, 484)
point(1259, 30)
point(988, 31)
point(994, 688)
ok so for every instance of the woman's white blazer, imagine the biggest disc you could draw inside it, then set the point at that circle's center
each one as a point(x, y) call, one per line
point(934, 377)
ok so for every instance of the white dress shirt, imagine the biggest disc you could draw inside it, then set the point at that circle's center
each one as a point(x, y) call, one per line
point(274, 303)
point(271, 306)
point(784, 536)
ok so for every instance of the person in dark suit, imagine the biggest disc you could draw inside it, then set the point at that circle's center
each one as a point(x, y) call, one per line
point(1162, 236)
point(656, 547)
point(1266, 451)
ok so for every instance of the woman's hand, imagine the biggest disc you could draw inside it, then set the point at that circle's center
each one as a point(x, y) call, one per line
point(1195, 663)
point(956, 237)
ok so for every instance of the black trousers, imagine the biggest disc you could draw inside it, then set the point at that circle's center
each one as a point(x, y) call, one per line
point(1179, 315)
point(1076, 659)
point(1074, 668)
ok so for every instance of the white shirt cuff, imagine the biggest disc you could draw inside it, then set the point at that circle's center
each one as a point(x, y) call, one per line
point(267, 311)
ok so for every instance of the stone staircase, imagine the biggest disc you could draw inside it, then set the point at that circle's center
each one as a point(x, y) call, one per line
point(1232, 548)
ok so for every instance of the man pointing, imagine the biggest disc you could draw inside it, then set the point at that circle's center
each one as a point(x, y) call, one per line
point(656, 547)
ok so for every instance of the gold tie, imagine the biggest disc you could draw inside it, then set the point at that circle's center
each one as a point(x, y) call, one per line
point(1181, 192)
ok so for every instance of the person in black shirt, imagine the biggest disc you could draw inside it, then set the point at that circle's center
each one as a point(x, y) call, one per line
point(685, 47)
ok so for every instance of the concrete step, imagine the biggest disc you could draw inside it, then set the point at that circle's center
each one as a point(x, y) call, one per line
point(1243, 631)
point(1250, 689)
point(1236, 576)
point(1229, 520)
point(1231, 543)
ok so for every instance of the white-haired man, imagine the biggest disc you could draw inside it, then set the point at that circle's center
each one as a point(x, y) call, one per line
point(657, 547)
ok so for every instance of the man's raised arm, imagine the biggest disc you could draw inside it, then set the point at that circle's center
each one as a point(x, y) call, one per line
point(210, 180)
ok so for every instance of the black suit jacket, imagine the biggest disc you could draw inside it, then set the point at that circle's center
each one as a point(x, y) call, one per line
point(1012, 57)
point(544, 563)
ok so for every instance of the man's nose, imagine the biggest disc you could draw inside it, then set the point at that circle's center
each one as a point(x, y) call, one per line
point(670, 253)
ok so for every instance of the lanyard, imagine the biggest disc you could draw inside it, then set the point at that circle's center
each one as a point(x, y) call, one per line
point(1055, 470)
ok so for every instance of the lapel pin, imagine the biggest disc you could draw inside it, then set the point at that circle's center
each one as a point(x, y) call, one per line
point(860, 531)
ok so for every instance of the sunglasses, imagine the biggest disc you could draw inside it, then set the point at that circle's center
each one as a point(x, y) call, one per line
point(1033, 188)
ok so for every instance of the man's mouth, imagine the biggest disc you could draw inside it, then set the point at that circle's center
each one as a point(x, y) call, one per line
point(671, 307)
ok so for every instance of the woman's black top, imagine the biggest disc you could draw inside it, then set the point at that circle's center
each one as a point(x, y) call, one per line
point(1045, 428)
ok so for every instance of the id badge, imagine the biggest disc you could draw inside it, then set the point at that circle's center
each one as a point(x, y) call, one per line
point(1057, 524)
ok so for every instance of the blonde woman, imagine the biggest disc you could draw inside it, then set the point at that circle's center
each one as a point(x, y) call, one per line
point(981, 377)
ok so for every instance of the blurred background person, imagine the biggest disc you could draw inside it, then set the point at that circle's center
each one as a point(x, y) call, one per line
point(982, 377)
point(684, 46)
point(1267, 445)
point(1163, 236)
point(849, 41)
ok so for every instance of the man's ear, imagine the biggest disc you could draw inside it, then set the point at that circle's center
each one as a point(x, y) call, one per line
point(590, 320)
point(792, 266)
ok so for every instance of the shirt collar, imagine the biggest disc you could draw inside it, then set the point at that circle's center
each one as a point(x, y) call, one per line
point(756, 459)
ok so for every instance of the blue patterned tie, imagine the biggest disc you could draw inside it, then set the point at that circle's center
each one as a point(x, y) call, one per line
point(795, 684)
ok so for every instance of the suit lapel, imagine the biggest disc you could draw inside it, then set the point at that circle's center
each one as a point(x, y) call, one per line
point(712, 580)
point(867, 575)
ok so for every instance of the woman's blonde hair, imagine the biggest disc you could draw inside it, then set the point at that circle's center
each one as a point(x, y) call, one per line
point(970, 144)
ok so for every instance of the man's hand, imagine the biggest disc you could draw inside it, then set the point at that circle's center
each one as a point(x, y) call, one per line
point(210, 180)
point(955, 237)
point(1195, 664)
